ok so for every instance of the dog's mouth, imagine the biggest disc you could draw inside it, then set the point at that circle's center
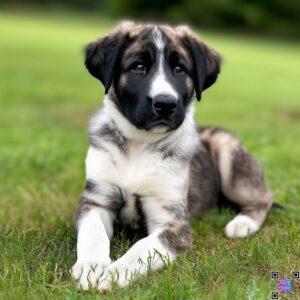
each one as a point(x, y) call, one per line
point(158, 123)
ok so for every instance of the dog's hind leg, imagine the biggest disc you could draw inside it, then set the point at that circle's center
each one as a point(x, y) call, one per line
point(242, 182)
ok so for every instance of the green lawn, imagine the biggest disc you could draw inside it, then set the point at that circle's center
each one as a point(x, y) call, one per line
point(46, 99)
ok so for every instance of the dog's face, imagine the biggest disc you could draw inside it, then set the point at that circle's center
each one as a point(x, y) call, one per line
point(151, 72)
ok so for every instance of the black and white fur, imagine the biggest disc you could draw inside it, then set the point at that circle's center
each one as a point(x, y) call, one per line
point(160, 164)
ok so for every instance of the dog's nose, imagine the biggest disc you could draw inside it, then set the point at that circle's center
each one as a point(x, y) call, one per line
point(164, 105)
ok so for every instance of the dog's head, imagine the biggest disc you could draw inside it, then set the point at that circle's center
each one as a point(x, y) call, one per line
point(152, 72)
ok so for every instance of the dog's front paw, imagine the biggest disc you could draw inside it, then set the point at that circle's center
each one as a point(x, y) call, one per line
point(87, 275)
point(240, 226)
point(119, 273)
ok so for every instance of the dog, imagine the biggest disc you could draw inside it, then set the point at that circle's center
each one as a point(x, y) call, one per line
point(148, 163)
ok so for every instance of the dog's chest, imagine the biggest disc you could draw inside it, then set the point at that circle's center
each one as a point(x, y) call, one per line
point(138, 172)
point(142, 174)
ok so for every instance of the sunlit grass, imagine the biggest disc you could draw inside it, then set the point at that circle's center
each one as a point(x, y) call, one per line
point(46, 98)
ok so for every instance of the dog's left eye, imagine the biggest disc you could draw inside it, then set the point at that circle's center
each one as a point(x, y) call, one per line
point(178, 70)
point(139, 69)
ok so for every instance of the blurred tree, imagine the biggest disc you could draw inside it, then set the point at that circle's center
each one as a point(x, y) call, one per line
point(268, 15)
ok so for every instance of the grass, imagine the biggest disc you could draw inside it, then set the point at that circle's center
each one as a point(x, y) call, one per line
point(46, 98)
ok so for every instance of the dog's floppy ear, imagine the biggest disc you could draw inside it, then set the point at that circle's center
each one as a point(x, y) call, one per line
point(101, 55)
point(206, 66)
point(205, 60)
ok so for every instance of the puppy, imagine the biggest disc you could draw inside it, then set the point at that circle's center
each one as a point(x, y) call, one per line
point(148, 163)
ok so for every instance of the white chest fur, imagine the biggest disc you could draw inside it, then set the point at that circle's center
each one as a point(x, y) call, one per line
point(139, 172)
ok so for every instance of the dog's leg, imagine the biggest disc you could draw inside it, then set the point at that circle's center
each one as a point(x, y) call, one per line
point(169, 234)
point(95, 228)
point(242, 182)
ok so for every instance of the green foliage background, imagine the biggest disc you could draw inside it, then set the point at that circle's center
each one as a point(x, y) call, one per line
point(272, 16)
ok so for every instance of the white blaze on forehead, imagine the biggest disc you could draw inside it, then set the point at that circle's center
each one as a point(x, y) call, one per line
point(158, 39)
point(160, 84)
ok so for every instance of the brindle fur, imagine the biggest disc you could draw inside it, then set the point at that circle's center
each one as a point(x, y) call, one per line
point(245, 185)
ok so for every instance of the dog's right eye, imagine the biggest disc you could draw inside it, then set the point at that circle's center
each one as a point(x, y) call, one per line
point(139, 69)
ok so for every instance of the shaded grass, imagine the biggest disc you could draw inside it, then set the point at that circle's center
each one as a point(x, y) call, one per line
point(46, 98)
